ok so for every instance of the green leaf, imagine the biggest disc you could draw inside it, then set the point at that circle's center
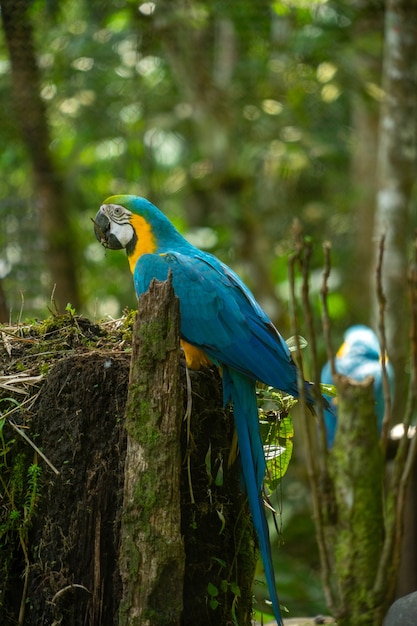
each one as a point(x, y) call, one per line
point(218, 481)
point(328, 390)
point(235, 589)
point(292, 343)
point(212, 590)
point(276, 431)
point(277, 434)
point(222, 519)
point(214, 604)
point(207, 462)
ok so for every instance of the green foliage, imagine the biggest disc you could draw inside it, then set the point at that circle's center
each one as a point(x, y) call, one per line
point(328, 390)
point(233, 117)
point(208, 136)
point(70, 309)
point(214, 595)
point(215, 475)
point(277, 433)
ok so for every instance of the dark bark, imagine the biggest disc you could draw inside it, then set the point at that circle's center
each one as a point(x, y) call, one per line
point(49, 191)
point(219, 538)
point(74, 544)
point(74, 539)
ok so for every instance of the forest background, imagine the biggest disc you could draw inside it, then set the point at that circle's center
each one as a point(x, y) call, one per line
point(235, 118)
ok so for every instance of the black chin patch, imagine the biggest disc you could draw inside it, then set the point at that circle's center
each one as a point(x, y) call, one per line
point(112, 242)
point(130, 248)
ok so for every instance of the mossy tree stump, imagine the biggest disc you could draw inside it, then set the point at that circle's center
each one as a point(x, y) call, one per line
point(358, 477)
point(152, 556)
point(208, 579)
point(76, 418)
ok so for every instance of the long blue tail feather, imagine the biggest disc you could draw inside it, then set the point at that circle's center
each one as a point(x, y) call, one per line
point(241, 391)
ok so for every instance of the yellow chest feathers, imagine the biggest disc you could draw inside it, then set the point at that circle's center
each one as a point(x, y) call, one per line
point(145, 240)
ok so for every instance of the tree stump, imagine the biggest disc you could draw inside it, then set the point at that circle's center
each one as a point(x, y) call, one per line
point(76, 418)
point(356, 538)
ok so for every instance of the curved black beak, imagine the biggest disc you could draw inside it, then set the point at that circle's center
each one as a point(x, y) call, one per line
point(102, 230)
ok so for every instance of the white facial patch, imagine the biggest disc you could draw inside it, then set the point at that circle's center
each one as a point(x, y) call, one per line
point(122, 232)
point(120, 225)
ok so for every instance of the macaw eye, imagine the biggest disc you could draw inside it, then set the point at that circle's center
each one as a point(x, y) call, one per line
point(118, 211)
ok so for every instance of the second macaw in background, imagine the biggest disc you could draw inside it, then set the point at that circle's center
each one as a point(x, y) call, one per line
point(221, 322)
point(359, 356)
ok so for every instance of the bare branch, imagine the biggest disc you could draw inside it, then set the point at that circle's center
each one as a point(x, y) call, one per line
point(324, 292)
point(34, 446)
point(312, 469)
point(383, 343)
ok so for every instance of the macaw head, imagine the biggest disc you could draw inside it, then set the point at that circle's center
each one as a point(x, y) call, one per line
point(133, 223)
point(358, 357)
point(360, 341)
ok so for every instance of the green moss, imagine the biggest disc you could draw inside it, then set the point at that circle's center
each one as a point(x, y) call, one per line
point(44, 369)
point(127, 326)
point(356, 466)
point(20, 491)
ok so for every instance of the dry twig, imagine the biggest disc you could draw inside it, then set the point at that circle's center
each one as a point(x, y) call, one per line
point(383, 343)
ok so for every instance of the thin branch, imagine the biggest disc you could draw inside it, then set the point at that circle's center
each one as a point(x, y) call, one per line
point(405, 457)
point(34, 446)
point(187, 418)
point(64, 590)
point(412, 395)
point(412, 282)
point(312, 471)
point(383, 343)
point(326, 325)
point(324, 292)
point(23, 599)
point(313, 351)
point(411, 408)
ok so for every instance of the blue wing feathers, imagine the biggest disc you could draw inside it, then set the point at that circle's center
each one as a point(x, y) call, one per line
point(220, 316)
point(242, 393)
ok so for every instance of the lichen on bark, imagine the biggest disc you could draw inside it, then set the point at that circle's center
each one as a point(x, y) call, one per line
point(357, 477)
point(152, 556)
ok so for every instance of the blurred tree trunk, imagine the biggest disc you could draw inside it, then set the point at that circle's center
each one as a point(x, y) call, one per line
point(362, 283)
point(229, 193)
point(396, 174)
point(366, 43)
point(31, 116)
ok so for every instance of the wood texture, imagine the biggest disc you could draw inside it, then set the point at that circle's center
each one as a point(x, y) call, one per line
point(152, 554)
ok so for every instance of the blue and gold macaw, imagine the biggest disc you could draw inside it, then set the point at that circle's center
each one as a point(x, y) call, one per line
point(221, 322)
point(359, 356)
